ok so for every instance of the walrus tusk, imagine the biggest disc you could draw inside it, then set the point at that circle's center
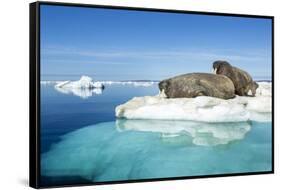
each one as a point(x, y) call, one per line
point(250, 93)
point(215, 71)
point(162, 94)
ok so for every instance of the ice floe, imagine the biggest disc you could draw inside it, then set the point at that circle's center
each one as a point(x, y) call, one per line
point(264, 89)
point(201, 108)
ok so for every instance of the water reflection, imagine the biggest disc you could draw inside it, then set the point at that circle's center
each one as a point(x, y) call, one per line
point(203, 134)
point(81, 92)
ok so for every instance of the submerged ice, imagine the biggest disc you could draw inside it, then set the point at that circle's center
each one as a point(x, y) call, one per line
point(201, 108)
point(204, 134)
point(139, 149)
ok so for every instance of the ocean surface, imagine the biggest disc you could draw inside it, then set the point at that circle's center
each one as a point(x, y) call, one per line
point(83, 142)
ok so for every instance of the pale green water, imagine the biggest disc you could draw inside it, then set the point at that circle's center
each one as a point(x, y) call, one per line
point(145, 149)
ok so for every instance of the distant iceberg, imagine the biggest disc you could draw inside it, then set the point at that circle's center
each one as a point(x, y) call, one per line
point(84, 88)
point(107, 83)
point(85, 82)
point(201, 108)
point(81, 92)
point(133, 83)
point(50, 82)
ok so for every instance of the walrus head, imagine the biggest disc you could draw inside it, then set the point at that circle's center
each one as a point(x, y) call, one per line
point(220, 67)
point(253, 89)
point(224, 68)
point(164, 86)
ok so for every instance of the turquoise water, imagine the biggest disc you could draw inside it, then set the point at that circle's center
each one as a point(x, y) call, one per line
point(109, 152)
point(74, 151)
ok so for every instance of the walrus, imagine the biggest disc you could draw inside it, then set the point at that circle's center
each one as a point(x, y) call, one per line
point(198, 84)
point(243, 82)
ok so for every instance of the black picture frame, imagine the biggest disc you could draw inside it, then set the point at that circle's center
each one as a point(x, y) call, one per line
point(34, 90)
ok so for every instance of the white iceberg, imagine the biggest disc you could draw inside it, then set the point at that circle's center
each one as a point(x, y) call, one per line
point(46, 82)
point(81, 92)
point(203, 134)
point(133, 83)
point(84, 88)
point(201, 108)
point(100, 84)
point(84, 82)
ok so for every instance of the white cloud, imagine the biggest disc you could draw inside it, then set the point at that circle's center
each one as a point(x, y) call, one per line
point(176, 55)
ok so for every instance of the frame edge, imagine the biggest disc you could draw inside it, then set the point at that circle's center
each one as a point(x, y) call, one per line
point(34, 90)
point(33, 110)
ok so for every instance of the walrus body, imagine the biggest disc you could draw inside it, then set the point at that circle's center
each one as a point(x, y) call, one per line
point(198, 84)
point(243, 82)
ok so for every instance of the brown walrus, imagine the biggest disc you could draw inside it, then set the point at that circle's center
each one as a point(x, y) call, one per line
point(198, 84)
point(243, 82)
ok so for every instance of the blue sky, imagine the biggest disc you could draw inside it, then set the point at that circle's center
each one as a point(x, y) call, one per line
point(124, 45)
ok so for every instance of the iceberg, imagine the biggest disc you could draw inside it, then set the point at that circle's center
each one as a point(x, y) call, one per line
point(84, 88)
point(81, 92)
point(103, 83)
point(47, 82)
point(201, 108)
point(133, 83)
point(84, 82)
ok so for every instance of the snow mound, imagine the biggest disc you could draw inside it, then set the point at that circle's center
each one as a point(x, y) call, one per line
point(264, 89)
point(201, 108)
point(84, 82)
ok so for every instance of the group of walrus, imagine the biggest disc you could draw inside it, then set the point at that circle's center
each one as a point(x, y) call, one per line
point(226, 82)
